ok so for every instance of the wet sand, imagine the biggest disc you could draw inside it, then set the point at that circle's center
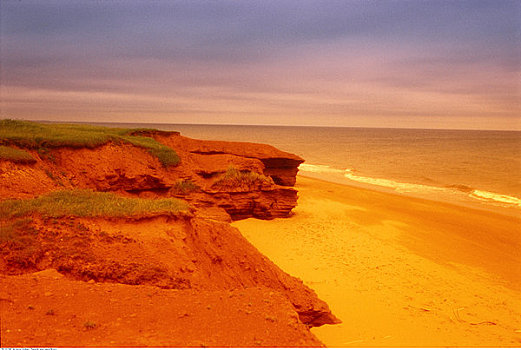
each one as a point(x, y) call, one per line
point(400, 271)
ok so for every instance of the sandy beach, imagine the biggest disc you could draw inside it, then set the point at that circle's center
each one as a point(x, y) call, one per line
point(400, 271)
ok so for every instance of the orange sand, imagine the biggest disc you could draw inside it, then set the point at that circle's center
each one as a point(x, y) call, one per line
point(400, 271)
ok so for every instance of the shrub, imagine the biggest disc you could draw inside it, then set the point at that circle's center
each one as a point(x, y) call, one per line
point(43, 136)
point(16, 155)
point(87, 203)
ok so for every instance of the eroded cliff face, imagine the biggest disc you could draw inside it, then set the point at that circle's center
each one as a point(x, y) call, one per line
point(281, 166)
point(132, 171)
point(198, 251)
point(168, 252)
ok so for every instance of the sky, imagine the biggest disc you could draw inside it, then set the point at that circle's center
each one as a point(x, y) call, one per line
point(414, 64)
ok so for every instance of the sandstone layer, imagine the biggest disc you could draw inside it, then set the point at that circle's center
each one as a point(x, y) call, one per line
point(130, 170)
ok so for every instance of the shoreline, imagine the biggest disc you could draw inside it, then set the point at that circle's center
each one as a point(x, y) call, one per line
point(466, 199)
point(397, 270)
point(504, 227)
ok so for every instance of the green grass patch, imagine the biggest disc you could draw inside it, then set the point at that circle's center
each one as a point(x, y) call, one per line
point(184, 187)
point(16, 155)
point(87, 203)
point(234, 177)
point(166, 155)
point(43, 136)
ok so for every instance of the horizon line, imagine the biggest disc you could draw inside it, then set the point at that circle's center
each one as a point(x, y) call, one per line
point(266, 125)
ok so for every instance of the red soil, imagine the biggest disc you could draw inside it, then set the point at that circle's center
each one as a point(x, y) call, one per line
point(47, 310)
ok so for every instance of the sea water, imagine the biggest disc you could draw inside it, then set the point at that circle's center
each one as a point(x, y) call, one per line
point(476, 168)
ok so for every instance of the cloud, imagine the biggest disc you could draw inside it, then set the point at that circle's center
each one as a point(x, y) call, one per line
point(261, 59)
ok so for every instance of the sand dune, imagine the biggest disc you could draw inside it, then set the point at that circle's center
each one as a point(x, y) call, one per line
point(400, 271)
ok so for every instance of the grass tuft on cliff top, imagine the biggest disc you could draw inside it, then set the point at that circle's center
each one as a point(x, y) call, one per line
point(88, 203)
point(234, 177)
point(37, 135)
point(16, 155)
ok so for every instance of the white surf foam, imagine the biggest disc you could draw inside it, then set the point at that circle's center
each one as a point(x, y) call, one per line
point(312, 168)
point(348, 173)
point(495, 197)
point(403, 187)
point(395, 185)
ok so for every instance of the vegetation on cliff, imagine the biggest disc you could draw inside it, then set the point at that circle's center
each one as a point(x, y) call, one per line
point(43, 136)
point(15, 155)
point(87, 203)
point(184, 187)
point(234, 177)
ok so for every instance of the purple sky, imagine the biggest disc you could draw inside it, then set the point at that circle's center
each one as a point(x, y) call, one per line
point(422, 64)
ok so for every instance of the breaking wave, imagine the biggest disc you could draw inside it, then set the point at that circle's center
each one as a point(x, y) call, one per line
point(491, 196)
point(404, 187)
point(319, 169)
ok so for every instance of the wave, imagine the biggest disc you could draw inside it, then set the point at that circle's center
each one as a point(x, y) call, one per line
point(496, 197)
point(395, 185)
point(349, 174)
point(404, 187)
point(312, 168)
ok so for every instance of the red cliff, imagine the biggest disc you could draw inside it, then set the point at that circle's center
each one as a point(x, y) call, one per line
point(197, 251)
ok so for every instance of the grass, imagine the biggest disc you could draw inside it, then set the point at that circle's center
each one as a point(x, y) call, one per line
point(184, 187)
point(18, 244)
point(16, 231)
point(87, 203)
point(16, 155)
point(234, 177)
point(43, 136)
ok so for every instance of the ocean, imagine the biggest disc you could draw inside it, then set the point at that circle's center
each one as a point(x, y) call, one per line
point(468, 167)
